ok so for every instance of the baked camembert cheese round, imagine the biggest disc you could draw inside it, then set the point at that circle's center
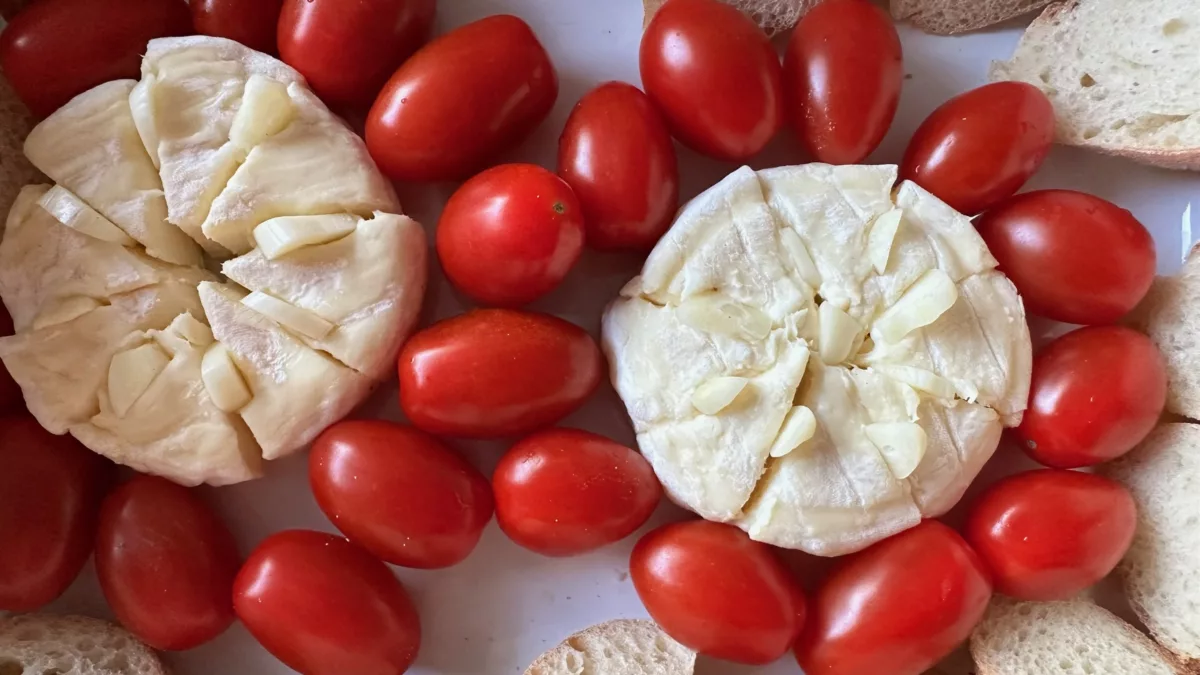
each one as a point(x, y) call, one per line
point(819, 357)
point(125, 338)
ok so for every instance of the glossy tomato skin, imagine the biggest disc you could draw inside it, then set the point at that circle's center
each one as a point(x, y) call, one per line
point(509, 235)
point(461, 100)
point(348, 50)
point(980, 147)
point(11, 398)
point(715, 76)
point(1075, 258)
point(1095, 393)
point(563, 492)
point(166, 563)
point(715, 590)
point(324, 606)
point(492, 373)
point(1049, 534)
point(927, 590)
point(56, 49)
point(50, 490)
point(399, 493)
point(842, 74)
point(616, 154)
point(250, 22)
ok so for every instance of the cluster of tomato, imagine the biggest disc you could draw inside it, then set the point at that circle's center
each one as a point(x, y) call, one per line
point(507, 236)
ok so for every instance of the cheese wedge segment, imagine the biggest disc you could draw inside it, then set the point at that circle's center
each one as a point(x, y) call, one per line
point(70, 210)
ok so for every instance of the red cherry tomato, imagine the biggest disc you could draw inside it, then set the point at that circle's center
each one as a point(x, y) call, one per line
point(56, 49)
point(9, 8)
point(250, 22)
point(11, 398)
point(898, 607)
point(1049, 534)
point(980, 147)
point(461, 100)
point(348, 50)
point(1096, 393)
point(616, 154)
point(324, 606)
point(166, 563)
point(50, 489)
point(712, 588)
point(510, 235)
point(1074, 257)
point(715, 76)
point(494, 372)
point(399, 493)
point(562, 492)
point(842, 74)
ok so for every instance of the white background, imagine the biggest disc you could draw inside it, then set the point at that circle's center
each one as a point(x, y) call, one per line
point(498, 610)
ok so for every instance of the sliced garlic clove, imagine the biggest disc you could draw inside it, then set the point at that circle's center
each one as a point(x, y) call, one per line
point(966, 390)
point(279, 236)
point(187, 327)
point(799, 426)
point(717, 394)
point(902, 445)
point(299, 320)
point(718, 314)
point(130, 374)
point(141, 104)
point(926, 300)
point(70, 210)
point(919, 379)
point(65, 310)
point(266, 110)
point(838, 333)
point(879, 241)
point(801, 260)
point(224, 382)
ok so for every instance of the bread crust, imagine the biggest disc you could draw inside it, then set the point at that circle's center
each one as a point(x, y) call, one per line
point(949, 17)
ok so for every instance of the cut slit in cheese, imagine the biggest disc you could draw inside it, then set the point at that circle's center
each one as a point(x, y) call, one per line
point(279, 236)
point(65, 310)
point(75, 214)
point(300, 321)
point(130, 374)
point(713, 313)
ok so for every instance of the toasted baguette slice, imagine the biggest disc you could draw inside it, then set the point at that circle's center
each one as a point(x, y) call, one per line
point(1161, 572)
point(947, 17)
point(37, 644)
point(1123, 76)
point(1170, 315)
point(1072, 637)
point(774, 16)
point(621, 647)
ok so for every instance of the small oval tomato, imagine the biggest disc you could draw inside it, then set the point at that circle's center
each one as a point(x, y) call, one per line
point(898, 607)
point(715, 590)
point(1095, 393)
point(510, 235)
point(399, 493)
point(50, 489)
point(348, 50)
point(324, 606)
point(461, 100)
point(166, 563)
point(715, 76)
point(562, 492)
point(1049, 534)
point(980, 147)
point(11, 397)
point(56, 49)
point(842, 73)
point(250, 22)
point(1075, 258)
point(616, 154)
point(9, 8)
point(494, 372)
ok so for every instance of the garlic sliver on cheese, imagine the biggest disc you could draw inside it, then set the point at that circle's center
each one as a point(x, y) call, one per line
point(838, 333)
point(279, 236)
point(919, 379)
point(64, 311)
point(801, 259)
point(724, 316)
point(130, 373)
point(881, 237)
point(926, 300)
point(77, 215)
point(717, 394)
point(266, 110)
point(902, 445)
point(225, 384)
point(799, 427)
point(288, 315)
point(188, 328)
